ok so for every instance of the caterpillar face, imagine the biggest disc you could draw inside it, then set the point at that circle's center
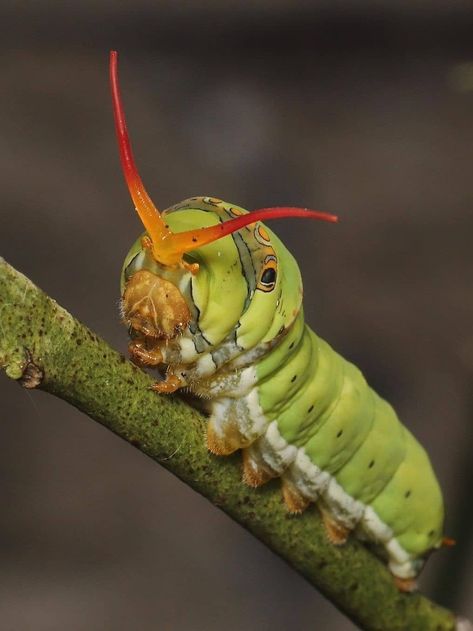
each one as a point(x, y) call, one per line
point(153, 307)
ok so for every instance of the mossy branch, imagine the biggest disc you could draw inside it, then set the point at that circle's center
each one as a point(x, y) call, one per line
point(43, 346)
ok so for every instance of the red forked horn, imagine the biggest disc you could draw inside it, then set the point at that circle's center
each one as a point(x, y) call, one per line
point(167, 247)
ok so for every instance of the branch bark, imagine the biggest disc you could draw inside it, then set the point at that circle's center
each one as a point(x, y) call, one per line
point(43, 346)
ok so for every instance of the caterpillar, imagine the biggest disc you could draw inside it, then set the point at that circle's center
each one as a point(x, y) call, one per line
point(212, 296)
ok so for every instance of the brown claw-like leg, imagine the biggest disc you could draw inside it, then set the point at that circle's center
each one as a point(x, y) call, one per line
point(295, 502)
point(143, 356)
point(405, 584)
point(170, 384)
point(336, 533)
point(153, 357)
point(254, 474)
point(223, 443)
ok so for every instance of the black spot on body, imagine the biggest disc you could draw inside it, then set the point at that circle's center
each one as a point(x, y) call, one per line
point(340, 433)
point(294, 378)
point(371, 464)
point(407, 494)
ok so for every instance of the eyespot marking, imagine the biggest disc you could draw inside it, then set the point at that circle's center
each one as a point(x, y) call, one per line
point(263, 233)
point(268, 277)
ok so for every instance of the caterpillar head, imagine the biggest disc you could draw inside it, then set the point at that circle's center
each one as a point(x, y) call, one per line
point(153, 307)
point(153, 304)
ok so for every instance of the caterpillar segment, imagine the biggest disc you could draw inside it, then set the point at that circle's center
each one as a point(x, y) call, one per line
point(213, 298)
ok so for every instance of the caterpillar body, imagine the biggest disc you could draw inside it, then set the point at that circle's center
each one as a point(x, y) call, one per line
point(212, 294)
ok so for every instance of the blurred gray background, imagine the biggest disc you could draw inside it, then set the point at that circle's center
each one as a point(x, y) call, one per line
point(361, 108)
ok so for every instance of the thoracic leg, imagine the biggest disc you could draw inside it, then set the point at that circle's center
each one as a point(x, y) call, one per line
point(169, 385)
point(144, 356)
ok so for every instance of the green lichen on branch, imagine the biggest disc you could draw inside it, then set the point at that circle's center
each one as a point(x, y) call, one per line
point(41, 345)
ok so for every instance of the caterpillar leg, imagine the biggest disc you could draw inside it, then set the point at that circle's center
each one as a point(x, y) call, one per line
point(229, 427)
point(234, 423)
point(405, 584)
point(295, 502)
point(336, 532)
point(223, 441)
point(268, 457)
point(254, 472)
point(147, 357)
point(143, 356)
point(169, 385)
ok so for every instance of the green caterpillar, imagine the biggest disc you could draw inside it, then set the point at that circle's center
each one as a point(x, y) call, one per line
point(211, 293)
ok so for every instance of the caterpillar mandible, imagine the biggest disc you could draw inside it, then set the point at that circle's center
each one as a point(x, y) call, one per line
point(210, 293)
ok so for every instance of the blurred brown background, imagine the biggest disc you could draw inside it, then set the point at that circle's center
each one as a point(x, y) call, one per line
point(361, 108)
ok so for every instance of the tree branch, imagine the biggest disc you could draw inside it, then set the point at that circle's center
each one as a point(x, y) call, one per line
point(41, 345)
